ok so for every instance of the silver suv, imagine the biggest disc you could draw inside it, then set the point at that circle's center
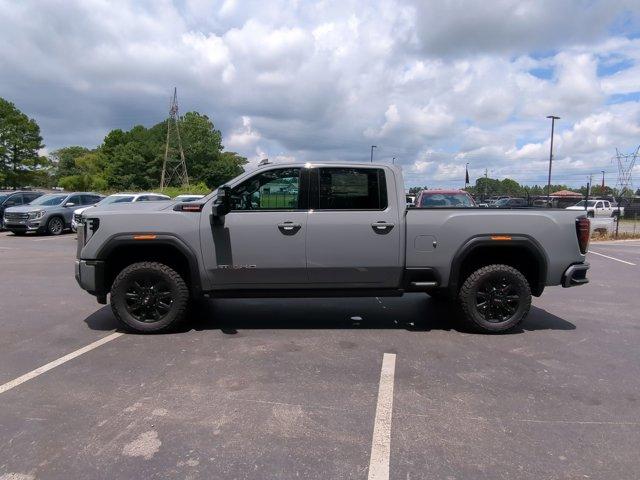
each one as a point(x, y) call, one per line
point(50, 214)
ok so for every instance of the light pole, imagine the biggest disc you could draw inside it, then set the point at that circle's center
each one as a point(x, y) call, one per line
point(372, 147)
point(393, 161)
point(602, 186)
point(466, 176)
point(553, 122)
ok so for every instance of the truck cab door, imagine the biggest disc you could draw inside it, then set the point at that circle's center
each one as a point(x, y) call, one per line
point(262, 241)
point(354, 228)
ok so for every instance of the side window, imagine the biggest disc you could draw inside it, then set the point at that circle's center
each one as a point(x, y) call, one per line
point(156, 198)
point(598, 204)
point(143, 198)
point(30, 197)
point(352, 189)
point(75, 199)
point(16, 199)
point(270, 190)
point(607, 205)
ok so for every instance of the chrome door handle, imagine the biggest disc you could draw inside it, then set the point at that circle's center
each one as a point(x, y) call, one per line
point(289, 228)
point(382, 227)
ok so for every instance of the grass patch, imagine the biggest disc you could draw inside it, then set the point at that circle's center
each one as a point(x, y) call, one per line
point(600, 236)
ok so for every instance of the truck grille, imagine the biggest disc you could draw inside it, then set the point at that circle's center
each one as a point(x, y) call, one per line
point(16, 216)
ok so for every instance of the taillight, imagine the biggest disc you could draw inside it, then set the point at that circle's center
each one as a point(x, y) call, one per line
point(583, 231)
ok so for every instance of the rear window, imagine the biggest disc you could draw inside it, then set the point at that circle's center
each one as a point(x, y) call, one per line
point(352, 189)
point(444, 200)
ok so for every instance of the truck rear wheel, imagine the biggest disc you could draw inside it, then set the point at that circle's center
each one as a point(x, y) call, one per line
point(495, 298)
point(149, 297)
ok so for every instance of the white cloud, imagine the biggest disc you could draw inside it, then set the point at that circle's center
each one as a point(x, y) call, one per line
point(434, 84)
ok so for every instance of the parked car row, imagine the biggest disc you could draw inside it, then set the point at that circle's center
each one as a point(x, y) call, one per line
point(32, 211)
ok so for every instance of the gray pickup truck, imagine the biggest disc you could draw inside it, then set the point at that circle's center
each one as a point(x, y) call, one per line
point(324, 230)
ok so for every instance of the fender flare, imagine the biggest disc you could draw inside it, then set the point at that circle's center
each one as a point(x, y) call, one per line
point(517, 240)
point(167, 239)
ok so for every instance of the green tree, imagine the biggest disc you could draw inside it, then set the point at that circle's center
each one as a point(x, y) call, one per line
point(202, 144)
point(65, 160)
point(227, 166)
point(128, 169)
point(90, 172)
point(20, 141)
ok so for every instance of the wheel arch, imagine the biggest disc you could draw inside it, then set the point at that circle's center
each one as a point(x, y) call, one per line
point(121, 251)
point(519, 251)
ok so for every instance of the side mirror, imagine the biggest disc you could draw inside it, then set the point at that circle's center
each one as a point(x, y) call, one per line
point(222, 205)
point(69, 204)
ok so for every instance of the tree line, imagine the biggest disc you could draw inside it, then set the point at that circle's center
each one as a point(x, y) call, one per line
point(125, 160)
point(492, 187)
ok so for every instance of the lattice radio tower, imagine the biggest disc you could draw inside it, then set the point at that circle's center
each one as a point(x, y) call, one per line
point(626, 162)
point(174, 169)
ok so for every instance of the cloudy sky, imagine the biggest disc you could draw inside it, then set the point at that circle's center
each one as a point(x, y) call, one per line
point(435, 84)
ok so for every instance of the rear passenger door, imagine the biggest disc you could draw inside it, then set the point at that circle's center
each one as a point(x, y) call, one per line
point(353, 229)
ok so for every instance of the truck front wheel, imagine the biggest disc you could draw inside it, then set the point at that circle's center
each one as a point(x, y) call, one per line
point(495, 298)
point(149, 297)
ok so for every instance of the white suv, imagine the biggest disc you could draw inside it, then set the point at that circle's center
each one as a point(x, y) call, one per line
point(118, 198)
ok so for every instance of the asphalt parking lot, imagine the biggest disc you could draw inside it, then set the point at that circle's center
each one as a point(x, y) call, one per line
point(261, 389)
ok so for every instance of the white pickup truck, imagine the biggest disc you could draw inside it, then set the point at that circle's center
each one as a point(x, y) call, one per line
point(598, 208)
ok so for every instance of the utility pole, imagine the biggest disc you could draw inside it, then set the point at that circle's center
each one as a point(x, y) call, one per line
point(173, 168)
point(466, 176)
point(586, 198)
point(393, 161)
point(553, 121)
point(602, 181)
point(486, 180)
point(372, 147)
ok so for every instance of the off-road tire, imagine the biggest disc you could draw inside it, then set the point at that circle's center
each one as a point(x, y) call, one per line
point(486, 279)
point(55, 226)
point(148, 273)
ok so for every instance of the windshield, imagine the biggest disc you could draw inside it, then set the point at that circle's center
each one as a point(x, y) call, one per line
point(49, 200)
point(590, 203)
point(435, 200)
point(115, 199)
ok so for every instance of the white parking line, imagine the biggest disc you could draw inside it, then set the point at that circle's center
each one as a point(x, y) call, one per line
point(612, 258)
point(45, 368)
point(381, 442)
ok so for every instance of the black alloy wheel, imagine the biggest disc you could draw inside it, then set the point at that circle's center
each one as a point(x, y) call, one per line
point(495, 298)
point(148, 300)
point(149, 297)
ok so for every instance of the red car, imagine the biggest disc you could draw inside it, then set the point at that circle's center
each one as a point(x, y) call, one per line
point(444, 199)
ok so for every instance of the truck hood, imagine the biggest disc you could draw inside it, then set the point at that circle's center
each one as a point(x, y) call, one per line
point(134, 207)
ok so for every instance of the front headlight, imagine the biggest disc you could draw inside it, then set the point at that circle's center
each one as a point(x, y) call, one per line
point(36, 215)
